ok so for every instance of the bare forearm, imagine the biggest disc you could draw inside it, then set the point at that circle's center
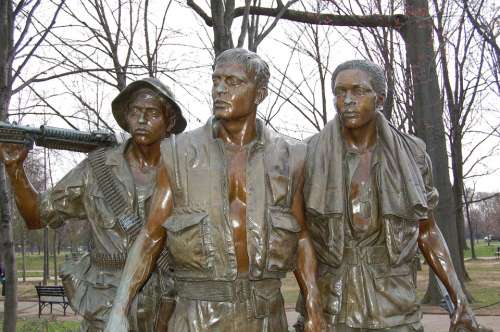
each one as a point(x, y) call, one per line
point(434, 248)
point(141, 261)
point(306, 274)
point(26, 197)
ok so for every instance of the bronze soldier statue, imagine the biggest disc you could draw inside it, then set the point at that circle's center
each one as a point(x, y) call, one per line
point(229, 198)
point(369, 199)
point(148, 111)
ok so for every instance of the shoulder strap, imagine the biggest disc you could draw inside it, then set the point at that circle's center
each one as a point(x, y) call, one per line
point(129, 222)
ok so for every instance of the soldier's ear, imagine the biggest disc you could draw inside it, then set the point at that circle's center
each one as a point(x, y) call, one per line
point(171, 123)
point(261, 95)
point(379, 102)
point(170, 118)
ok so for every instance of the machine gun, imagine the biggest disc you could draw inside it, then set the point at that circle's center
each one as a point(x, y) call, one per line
point(56, 138)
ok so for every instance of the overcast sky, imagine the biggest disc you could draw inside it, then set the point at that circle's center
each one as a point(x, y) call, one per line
point(192, 87)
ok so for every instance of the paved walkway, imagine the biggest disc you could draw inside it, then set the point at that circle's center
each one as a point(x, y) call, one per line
point(432, 322)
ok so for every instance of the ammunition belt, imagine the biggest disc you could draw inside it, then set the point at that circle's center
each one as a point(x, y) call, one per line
point(163, 262)
point(129, 222)
point(117, 261)
point(108, 261)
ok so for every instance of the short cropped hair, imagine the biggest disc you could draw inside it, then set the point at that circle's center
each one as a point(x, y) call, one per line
point(374, 71)
point(252, 62)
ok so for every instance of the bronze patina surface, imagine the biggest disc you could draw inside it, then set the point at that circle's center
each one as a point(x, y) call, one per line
point(229, 207)
point(369, 198)
point(149, 114)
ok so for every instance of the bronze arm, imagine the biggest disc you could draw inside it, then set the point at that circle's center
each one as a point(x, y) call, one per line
point(142, 257)
point(26, 197)
point(433, 247)
point(305, 273)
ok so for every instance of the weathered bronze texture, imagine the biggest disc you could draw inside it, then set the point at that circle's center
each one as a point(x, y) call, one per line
point(91, 283)
point(369, 199)
point(228, 206)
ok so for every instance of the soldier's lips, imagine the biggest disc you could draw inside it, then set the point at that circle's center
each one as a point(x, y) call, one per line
point(348, 115)
point(221, 104)
point(141, 132)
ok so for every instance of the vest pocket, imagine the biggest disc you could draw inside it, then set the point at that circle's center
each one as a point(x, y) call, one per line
point(331, 286)
point(186, 238)
point(283, 240)
point(394, 289)
point(265, 301)
point(105, 218)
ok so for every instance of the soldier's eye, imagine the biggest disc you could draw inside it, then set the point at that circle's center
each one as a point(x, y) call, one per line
point(234, 81)
point(359, 91)
point(339, 92)
point(134, 111)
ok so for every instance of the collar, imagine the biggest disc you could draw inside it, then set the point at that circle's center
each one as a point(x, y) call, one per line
point(116, 155)
point(261, 131)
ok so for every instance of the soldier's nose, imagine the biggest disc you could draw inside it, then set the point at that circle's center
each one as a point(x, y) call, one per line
point(142, 118)
point(220, 88)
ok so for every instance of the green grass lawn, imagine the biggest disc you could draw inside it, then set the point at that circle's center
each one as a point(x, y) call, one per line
point(482, 249)
point(35, 262)
point(30, 274)
point(44, 325)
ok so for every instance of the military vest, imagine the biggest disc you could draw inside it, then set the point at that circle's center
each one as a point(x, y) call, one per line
point(199, 232)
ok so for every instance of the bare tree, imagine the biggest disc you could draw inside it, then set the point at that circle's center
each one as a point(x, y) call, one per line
point(306, 89)
point(223, 13)
point(462, 62)
point(14, 56)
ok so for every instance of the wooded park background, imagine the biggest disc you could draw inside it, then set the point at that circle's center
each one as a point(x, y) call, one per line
point(62, 62)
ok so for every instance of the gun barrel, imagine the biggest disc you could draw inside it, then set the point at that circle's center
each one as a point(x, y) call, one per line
point(56, 138)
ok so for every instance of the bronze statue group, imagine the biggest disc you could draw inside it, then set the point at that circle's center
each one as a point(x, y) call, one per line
point(194, 231)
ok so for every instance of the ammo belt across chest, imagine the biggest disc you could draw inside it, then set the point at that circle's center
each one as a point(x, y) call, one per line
point(128, 221)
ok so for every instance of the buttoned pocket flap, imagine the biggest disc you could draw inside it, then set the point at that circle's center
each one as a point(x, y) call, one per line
point(264, 301)
point(384, 271)
point(180, 222)
point(284, 220)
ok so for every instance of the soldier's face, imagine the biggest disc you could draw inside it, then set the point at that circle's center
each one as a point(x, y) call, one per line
point(147, 122)
point(355, 98)
point(234, 92)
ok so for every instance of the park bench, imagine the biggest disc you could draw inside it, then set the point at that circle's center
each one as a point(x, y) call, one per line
point(49, 295)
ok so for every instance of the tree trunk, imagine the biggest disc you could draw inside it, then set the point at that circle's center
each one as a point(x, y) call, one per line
point(45, 256)
point(23, 248)
point(458, 185)
point(428, 114)
point(222, 14)
point(6, 235)
point(471, 230)
point(54, 249)
point(9, 257)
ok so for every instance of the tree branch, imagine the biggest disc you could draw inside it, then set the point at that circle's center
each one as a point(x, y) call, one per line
point(393, 21)
point(197, 9)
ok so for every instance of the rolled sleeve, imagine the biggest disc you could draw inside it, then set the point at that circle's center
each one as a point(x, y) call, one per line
point(431, 191)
